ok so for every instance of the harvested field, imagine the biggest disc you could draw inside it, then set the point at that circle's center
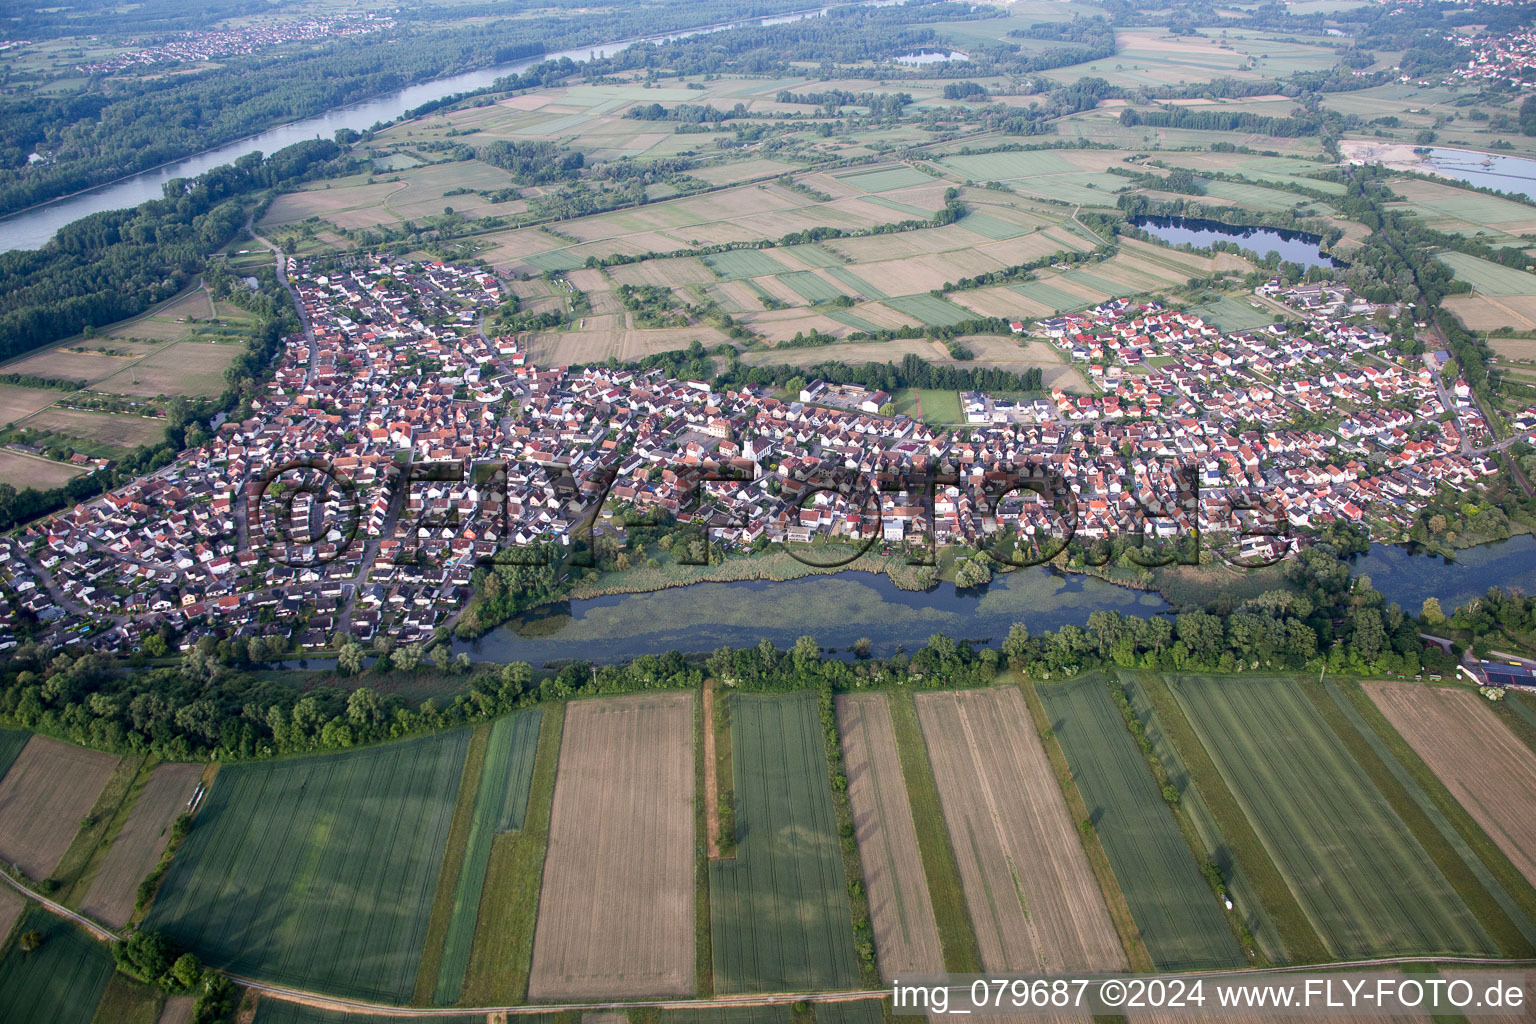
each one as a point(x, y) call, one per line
point(318, 872)
point(120, 430)
point(191, 368)
point(900, 909)
point(1364, 880)
point(138, 846)
point(1487, 313)
point(616, 915)
point(49, 788)
point(1484, 765)
point(1013, 837)
point(61, 981)
point(1175, 910)
point(177, 1010)
point(18, 402)
point(11, 906)
point(569, 347)
point(59, 362)
point(23, 471)
point(779, 914)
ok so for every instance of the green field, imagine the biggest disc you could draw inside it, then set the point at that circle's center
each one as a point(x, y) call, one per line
point(1234, 314)
point(501, 803)
point(558, 259)
point(856, 282)
point(1175, 910)
point(992, 227)
point(1056, 298)
point(741, 263)
point(1255, 196)
point(1489, 278)
point(318, 872)
point(59, 982)
point(809, 286)
point(886, 180)
point(938, 406)
point(1003, 166)
point(814, 256)
point(779, 913)
point(11, 742)
point(273, 1011)
point(1364, 881)
point(1220, 848)
point(929, 310)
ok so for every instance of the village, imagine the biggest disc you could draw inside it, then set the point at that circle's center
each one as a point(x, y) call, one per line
point(399, 447)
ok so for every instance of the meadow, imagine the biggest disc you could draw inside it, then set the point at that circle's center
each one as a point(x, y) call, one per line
point(318, 871)
point(779, 912)
point(1177, 914)
point(1362, 876)
point(138, 843)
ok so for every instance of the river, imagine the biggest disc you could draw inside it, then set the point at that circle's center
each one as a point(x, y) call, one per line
point(31, 228)
point(1293, 246)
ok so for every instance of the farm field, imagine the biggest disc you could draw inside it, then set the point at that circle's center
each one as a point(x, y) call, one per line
point(59, 982)
point(137, 847)
point(22, 471)
point(1365, 882)
point(501, 803)
point(900, 908)
point(277, 1011)
point(49, 788)
point(1177, 914)
point(616, 916)
point(1460, 740)
point(318, 871)
point(779, 912)
point(12, 742)
point(1013, 837)
point(1489, 279)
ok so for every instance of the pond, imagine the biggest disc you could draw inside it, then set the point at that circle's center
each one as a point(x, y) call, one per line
point(837, 609)
point(934, 57)
point(1409, 578)
point(1293, 246)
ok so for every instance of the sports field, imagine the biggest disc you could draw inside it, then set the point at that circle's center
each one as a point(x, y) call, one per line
point(318, 871)
point(616, 916)
point(59, 982)
point(779, 914)
point(501, 801)
point(1234, 314)
point(1365, 882)
point(1175, 910)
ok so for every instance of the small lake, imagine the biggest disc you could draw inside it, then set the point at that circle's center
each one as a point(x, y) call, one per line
point(936, 57)
point(1512, 174)
point(837, 609)
point(1293, 246)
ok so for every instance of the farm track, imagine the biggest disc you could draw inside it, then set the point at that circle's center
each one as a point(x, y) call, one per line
point(321, 1000)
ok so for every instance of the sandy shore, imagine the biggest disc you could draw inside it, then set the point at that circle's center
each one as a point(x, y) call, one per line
point(1399, 156)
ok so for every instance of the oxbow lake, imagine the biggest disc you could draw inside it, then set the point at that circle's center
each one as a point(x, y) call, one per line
point(1293, 246)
